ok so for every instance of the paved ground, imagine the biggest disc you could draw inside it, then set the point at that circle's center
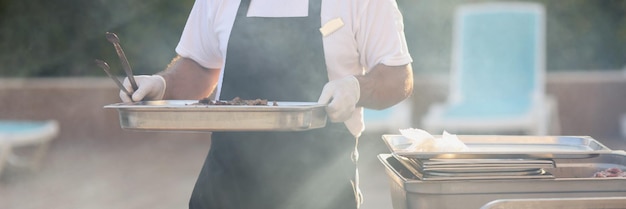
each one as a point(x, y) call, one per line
point(146, 173)
point(139, 173)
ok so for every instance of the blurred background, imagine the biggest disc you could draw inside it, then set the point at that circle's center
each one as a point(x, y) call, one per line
point(47, 50)
point(61, 37)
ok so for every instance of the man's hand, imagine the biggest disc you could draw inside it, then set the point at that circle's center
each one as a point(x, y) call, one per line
point(151, 87)
point(341, 96)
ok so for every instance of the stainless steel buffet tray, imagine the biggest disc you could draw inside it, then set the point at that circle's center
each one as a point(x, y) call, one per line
point(469, 165)
point(188, 115)
point(559, 203)
point(477, 171)
point(572, 179)
point(506, 147)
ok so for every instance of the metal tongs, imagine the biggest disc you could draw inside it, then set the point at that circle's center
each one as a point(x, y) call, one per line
point(112, 37)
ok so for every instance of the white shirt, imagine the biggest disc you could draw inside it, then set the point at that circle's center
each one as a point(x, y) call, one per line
point(372, 33)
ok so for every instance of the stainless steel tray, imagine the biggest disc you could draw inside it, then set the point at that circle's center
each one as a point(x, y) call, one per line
point(559, 203)
point(474, 173)
point(506, 147)
point(572, 179)
point(463, 163)
point(533, 173)
point(480, 167)
point(187, 115)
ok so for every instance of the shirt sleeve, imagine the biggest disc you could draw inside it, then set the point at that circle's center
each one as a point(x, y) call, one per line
point(198, 40)
point(381, 34)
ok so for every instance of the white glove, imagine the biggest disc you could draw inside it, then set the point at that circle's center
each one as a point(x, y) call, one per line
point(343, 94)
point(150, 87)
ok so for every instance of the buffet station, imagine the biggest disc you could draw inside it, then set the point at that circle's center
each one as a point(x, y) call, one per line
point(429, 171)
point(488, 172)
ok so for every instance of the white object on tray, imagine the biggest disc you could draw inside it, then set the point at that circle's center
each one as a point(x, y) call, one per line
point(422, 141)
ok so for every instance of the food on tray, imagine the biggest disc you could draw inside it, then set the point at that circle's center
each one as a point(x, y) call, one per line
point(235, 101)
point(422, 141)
point(610, 172)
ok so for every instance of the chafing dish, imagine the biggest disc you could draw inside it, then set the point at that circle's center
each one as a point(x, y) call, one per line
point(559, 203)
point(572, 178)
point(188, 115)
point(506, 147)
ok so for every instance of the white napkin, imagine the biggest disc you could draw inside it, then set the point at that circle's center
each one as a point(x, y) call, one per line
point(422, 141)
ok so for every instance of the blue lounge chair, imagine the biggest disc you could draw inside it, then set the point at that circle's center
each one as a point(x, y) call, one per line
point(15, 134)
point(498, 73)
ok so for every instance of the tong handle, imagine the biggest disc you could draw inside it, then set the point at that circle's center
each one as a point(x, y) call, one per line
point(106, 68)
point(112, 37)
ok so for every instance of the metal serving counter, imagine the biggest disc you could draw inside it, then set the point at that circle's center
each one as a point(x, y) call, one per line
point(573, 178)
point(559, 203)
point(500, 170)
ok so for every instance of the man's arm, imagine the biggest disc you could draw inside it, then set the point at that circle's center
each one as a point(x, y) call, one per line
point(186, 79)
point(385, 86)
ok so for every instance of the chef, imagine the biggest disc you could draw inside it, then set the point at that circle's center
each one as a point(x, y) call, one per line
point(348, 54)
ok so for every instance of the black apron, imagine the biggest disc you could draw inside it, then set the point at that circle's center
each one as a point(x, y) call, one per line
point(279, 59)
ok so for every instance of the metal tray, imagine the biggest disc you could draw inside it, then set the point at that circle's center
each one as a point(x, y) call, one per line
point(464, 163)
point(533, 173)
point(506, 147)
point(188, 115)
point(473, 173)
point(572, 179)
point(480, 167)
point(559, 203)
